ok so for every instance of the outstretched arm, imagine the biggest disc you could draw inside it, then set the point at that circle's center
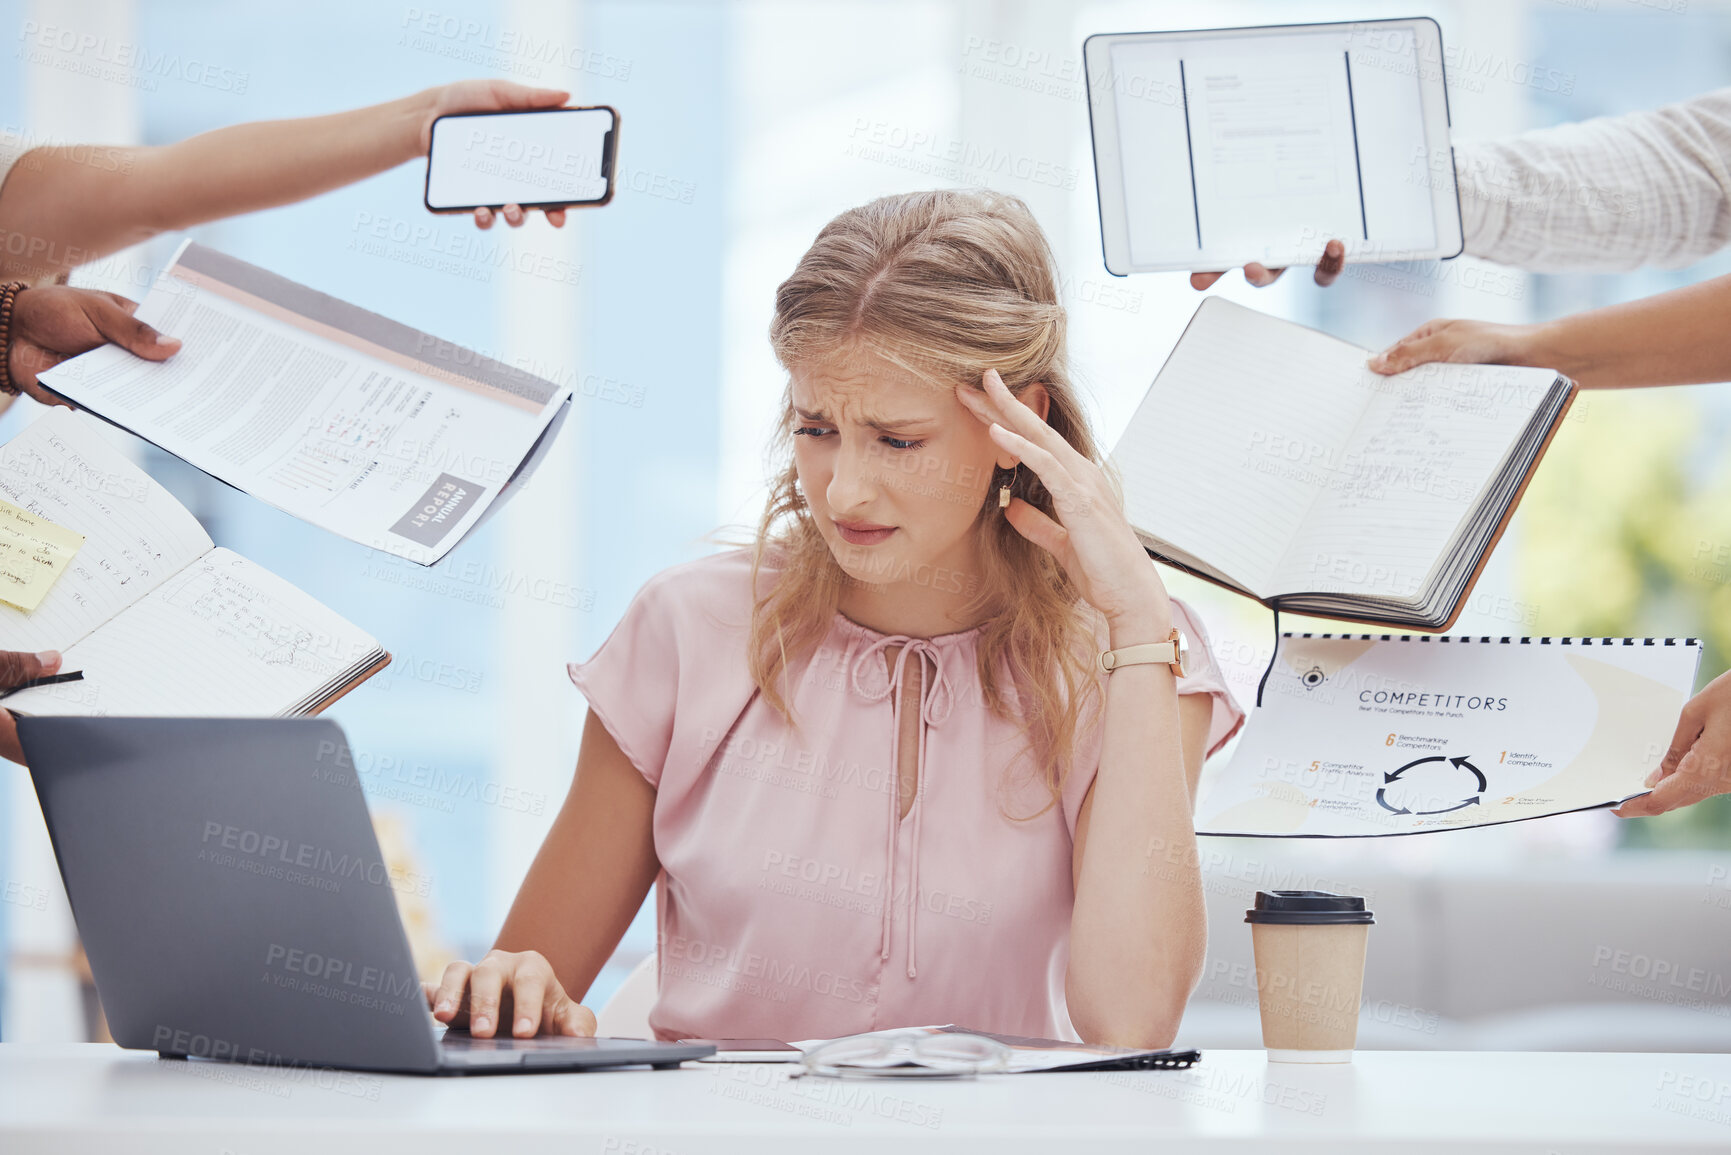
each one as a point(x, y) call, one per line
point(1674, 338)
point(76, 203)
point(1603, 195)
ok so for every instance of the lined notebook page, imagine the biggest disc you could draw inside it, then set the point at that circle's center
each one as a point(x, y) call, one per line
point(224, 637)
point(1428, 445)
point(1238, 436)
point(135, 533)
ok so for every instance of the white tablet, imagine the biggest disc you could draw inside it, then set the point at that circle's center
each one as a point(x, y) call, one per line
point(1220, 146)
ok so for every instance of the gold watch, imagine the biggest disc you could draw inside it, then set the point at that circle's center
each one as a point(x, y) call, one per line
point(1174, 652)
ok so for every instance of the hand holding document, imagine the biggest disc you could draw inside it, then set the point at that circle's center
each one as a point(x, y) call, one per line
point(341, 417)
point(1359, 735)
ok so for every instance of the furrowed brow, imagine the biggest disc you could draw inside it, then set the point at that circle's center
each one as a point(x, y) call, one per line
point(882, 425)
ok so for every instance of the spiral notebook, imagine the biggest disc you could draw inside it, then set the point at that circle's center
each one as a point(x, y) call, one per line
point(1368, 735)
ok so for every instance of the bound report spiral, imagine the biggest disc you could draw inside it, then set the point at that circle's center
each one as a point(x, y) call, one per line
point(1370, 735)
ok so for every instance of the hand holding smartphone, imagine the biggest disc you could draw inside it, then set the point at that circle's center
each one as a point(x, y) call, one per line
point(549, 158)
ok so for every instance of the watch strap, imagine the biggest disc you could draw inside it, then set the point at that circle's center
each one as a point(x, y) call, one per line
point(1170, 652)
point(1149, 653)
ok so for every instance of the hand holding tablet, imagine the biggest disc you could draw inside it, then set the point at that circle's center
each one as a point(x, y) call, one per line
point(1257, 146)
point(1333, 260)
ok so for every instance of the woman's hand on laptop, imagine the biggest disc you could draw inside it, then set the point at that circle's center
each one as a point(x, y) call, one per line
point(519, 988)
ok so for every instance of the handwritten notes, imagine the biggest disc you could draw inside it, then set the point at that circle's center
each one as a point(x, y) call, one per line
point(33, 553)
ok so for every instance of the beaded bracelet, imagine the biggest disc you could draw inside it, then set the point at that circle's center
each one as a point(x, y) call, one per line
point(8, 294)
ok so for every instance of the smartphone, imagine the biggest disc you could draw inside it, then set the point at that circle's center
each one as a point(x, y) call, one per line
point(748, 1051)
point(546, 158)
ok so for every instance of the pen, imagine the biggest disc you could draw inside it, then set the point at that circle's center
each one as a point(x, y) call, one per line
point(69, 676)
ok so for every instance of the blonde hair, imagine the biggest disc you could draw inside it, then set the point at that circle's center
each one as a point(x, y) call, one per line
point(945, 284)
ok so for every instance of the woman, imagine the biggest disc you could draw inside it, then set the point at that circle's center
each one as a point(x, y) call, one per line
point(873, 759)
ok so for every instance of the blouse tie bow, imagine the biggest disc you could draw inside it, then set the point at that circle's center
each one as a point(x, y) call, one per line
point(937, 699)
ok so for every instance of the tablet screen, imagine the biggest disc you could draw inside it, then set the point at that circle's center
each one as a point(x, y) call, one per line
point(1217, 148)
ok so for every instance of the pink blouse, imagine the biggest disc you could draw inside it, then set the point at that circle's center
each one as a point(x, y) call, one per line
point(794, 901)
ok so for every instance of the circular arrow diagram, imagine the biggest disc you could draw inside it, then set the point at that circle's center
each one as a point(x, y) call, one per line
point(1461, 763)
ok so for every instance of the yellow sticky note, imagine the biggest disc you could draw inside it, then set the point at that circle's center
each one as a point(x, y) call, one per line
point(33, 553)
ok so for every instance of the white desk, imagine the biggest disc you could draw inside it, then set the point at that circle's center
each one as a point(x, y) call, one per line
point(95, 1098)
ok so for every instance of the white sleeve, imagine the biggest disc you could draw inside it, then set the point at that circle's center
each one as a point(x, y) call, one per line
point(1603, 195)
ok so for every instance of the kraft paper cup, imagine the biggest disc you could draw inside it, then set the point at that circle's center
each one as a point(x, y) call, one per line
point(1310, 948)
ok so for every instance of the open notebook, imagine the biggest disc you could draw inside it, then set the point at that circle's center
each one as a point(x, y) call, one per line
point(1267, 458)
point(160, 620)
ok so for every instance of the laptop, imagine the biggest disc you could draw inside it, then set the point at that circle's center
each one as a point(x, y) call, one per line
point(234, 905)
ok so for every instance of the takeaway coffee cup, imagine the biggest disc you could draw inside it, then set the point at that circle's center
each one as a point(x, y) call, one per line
point(1309, 972)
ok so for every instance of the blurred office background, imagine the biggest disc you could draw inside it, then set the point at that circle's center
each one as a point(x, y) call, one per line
point(746, 126)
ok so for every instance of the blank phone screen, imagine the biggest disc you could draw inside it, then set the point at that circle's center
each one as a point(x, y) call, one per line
point(523, 158)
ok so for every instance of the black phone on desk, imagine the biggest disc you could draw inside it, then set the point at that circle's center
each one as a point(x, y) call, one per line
point(543, 158)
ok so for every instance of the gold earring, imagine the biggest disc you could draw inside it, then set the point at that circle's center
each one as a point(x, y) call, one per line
point(1004, 493)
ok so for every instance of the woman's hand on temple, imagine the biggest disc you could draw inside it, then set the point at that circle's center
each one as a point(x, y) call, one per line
point(515, 987)
point(493, 96)
point(1091, 537)
point(54, 323)
point(1462, 342)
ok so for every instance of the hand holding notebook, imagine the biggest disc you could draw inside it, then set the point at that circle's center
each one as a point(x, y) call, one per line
point(1268, 458)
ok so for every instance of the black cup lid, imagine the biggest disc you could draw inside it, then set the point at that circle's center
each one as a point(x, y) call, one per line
point(1307, 908)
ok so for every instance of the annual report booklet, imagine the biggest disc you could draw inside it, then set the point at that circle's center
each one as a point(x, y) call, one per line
point(341, 417)
point(1267, 458)
point(1360, 735)
point(161, 620)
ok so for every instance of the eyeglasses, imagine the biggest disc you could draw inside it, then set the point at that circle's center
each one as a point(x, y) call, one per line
point(915, 1053)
